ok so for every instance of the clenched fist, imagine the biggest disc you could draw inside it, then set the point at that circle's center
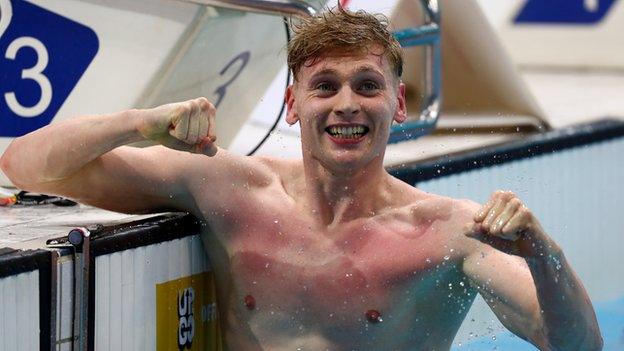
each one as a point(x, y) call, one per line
point(505, 223)
point(186, 126)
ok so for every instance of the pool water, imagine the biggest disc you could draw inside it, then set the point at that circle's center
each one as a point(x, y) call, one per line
point(610, 317)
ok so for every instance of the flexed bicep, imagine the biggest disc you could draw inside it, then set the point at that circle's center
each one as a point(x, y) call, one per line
point(131, 180)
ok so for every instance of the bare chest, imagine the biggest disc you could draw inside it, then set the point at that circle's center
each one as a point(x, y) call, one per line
point(289, 274)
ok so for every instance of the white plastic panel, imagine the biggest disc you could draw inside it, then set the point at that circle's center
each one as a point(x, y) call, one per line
point(125, 296)
point(19, 312)
point(64, 303)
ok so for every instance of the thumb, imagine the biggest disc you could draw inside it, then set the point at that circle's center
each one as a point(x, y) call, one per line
point(473, 229)
point(207, 146)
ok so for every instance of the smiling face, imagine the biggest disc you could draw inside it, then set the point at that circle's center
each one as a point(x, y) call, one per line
point(345, 105)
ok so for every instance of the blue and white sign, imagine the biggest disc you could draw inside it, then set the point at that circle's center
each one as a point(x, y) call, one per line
point(564, 11)
point(42, 57)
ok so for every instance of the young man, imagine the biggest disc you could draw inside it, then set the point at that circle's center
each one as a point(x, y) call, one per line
point(331, 252)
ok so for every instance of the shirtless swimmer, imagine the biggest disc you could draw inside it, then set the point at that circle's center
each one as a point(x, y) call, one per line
point(329, 252)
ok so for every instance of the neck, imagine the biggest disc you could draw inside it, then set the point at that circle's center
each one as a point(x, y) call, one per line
point(339, 196)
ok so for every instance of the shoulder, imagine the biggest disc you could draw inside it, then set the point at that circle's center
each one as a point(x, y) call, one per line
point(279, 165)
point(435, 205)
point(422, 205)
point(450, 214)
point(286, 171)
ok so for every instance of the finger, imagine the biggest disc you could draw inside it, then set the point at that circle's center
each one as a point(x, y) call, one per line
point(180, 128)
point(203, 127)
point(212, 133)
point(472, 229)
point(498, 243)
point(176, 144)
point(494, 212)
point(508, 212)
point(193, 133)
point(212, 130)
point(483, 211)
point(516, 225)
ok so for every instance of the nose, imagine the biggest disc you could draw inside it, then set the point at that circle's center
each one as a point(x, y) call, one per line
point(347, 104)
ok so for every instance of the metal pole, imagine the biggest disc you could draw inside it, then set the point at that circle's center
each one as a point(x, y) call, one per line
point(288, 8)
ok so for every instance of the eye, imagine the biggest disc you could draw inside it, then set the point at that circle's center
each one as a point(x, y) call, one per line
point(325, 87)
point(369, 86)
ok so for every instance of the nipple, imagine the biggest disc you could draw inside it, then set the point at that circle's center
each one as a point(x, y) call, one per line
point(373, 316)
point(250, 302)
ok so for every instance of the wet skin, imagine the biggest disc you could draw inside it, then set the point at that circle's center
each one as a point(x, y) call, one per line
point(328, 252)
point(312, 286)
point(335, 253)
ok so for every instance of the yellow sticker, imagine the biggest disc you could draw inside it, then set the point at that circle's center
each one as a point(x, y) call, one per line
point(186, 314)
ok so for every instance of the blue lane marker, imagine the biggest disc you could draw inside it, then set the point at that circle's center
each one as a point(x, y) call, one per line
point(564, 11)
point(42, 57)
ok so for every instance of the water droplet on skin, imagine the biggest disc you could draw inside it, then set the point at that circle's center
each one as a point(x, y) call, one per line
point(428, 260)
point(276, 221)
point(446, 257)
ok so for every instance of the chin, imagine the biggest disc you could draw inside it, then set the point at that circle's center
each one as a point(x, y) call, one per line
point(347, 162)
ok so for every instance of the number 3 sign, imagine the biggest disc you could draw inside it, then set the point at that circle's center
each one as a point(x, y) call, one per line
point(42, 57)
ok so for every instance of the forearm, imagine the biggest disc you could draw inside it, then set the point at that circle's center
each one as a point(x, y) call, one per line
point(569, 318)
point(59, 150)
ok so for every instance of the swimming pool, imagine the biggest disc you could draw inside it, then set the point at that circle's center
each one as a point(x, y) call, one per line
point(567, 179)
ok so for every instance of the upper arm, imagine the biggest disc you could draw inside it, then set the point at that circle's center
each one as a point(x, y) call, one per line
point(153, 179)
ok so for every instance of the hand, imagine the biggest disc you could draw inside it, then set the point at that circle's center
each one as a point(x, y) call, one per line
point(186, 126)
point(506, 224)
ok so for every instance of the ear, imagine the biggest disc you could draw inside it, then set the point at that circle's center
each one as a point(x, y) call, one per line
point(291, 114)
point(400, 115)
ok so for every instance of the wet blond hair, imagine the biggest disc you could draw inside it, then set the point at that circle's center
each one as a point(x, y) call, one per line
point(341, 31)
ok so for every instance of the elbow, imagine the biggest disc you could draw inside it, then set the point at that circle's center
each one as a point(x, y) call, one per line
point(7, 166)
point(595, 342)
point(10, 167)
point(592, 341)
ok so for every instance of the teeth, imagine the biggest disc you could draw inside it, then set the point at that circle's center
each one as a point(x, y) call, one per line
point(346, 132)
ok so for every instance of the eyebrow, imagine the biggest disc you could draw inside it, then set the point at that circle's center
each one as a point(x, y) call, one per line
point(331, 71)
